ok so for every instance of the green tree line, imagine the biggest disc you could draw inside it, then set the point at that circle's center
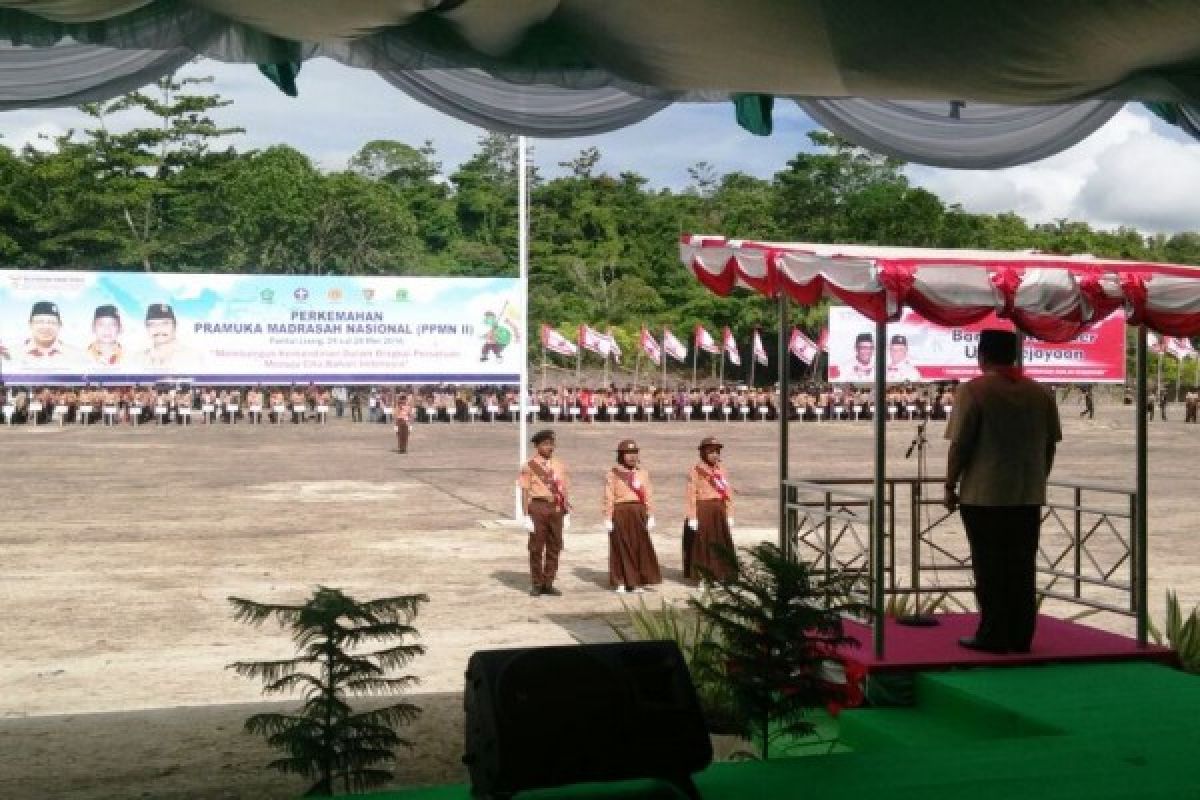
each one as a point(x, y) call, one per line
point(167, 196)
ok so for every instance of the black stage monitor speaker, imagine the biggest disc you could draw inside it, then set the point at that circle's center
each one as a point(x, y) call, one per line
point(552, 716)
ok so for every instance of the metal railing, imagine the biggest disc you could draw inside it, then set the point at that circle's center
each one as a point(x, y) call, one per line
point(1086, 553)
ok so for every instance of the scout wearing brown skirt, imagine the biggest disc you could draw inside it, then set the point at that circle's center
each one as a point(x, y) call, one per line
point(629, 518)
point(708, 533)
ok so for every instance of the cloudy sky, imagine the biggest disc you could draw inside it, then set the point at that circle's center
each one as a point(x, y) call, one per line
point(1136, 171)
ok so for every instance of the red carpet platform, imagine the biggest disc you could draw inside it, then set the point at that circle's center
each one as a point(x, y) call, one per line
point(910, 649)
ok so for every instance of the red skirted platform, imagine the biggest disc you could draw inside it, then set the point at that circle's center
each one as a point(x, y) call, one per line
point(909, 649)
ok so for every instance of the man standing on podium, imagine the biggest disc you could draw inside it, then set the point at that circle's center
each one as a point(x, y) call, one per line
point(1003, 433)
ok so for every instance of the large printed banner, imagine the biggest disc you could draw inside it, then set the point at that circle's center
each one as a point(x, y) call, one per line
point(60, 327)
point(920, 351)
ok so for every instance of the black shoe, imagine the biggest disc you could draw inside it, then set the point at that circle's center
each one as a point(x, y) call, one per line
point(971, 643)
point(550, 590)
point(535, 591)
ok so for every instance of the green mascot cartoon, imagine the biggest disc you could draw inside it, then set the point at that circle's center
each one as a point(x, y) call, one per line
point(496, 338)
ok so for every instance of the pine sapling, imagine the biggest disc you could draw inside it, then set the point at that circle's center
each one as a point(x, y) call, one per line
point(326, 739)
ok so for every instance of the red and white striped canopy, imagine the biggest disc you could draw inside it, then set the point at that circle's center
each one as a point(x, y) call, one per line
point(1050, 297)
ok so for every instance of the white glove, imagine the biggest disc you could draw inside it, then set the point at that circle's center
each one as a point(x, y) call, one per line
point(693, 524)
point(528, 523)
point(566, 522)
point(608, 526)
point(650, 523)
point(730, 521)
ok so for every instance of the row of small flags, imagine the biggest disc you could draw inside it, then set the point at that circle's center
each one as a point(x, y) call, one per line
point(605, 345)
point(1178, 346)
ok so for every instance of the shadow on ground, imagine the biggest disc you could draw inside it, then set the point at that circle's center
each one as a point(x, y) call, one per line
point(195, 753)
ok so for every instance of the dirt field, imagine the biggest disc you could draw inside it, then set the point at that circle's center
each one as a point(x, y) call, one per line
point(119, 547)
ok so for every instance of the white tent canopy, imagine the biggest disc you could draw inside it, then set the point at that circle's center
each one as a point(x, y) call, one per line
point(954, 84)
point(1052, 297)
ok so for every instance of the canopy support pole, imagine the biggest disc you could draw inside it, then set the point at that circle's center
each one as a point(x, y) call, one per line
point(1140, 538)
point(878, 532)
point(523, 287)
point(785, 539)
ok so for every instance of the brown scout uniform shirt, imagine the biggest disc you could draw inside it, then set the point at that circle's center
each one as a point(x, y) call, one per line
point(533, 486)
point(616, 490)
point(699, 488)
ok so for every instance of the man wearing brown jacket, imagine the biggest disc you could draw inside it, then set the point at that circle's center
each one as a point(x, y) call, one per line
point(1003, 433)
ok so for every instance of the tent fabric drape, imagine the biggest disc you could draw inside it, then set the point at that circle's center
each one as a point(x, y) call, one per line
point(1052, 298)
point(958, 85)
point(961, 136)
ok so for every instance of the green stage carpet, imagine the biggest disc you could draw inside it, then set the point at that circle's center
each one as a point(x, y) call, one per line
point(1090, 732)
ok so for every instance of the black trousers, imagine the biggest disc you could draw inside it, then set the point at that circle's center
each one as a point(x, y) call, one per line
point(1004, 545)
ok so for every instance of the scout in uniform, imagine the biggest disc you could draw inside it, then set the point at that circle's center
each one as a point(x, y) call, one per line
point(403, 417)
point(544, 486)
point(629, 518)
point(707, 539)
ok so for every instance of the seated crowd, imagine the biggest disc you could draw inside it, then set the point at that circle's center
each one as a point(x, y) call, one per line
point(122, 405)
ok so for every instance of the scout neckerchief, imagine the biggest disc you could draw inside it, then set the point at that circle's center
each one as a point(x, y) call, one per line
point(552, 482)
point(629, 478)
point(716, 479)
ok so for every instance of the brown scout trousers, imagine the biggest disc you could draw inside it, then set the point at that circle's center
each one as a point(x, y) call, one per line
point(545, 543)
point(402, 436)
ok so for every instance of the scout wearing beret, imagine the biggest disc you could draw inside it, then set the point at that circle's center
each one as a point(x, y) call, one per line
point(105, 350)
point(544, 488)
point(708, 548)
point(629, 518)
point(402, 419)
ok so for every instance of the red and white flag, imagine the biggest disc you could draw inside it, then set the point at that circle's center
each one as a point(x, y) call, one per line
point(803, 347)
point(704, 341)
point(555, 342)
point(729, 344)
point(614, 349)
point(1180, 347)
point(593, 340)
point(760, 352)
point(673, 347)
point(823, 340)
point(650, 347)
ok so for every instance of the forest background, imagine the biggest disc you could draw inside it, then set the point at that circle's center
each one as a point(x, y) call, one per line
point(171, 196)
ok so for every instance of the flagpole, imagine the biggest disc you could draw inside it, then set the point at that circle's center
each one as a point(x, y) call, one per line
point(543, 366)
point(663, 355)
point(753, 357)
point(695, 357)
point(637, 363)
point(1162, 351)
point(578, 354)
point(721, 371)
point(523, 282)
